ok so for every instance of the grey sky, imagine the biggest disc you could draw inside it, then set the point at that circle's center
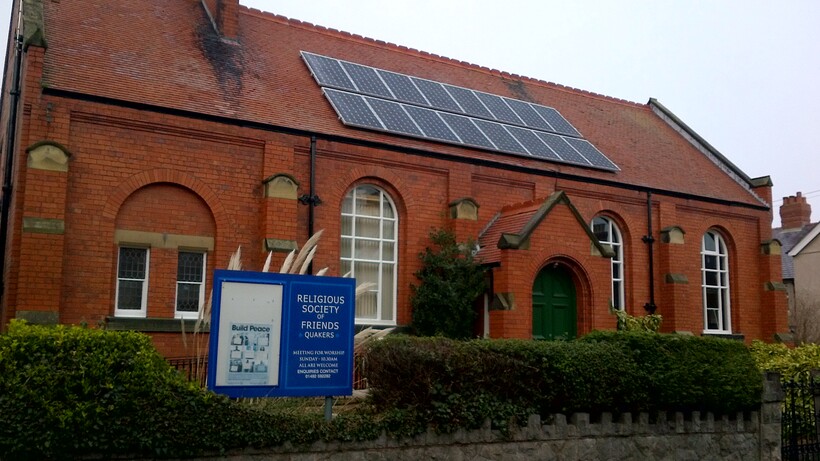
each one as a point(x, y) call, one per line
point(744, 74)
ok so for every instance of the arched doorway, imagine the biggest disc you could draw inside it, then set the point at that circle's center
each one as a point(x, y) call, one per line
point(554, 313)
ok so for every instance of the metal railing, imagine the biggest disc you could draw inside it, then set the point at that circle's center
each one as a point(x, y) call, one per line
point(193, 368)
point(800, 438)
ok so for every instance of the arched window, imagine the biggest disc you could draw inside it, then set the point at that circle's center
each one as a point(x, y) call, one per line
point(369, 246)
point(715, 270)
point(608, 233)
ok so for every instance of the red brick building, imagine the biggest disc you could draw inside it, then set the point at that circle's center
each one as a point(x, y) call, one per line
point(151, 138)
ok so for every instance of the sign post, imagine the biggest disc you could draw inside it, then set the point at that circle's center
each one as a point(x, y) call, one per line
point(278, 335)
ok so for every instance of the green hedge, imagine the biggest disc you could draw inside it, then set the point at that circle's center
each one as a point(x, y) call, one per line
point(70, 391)
point(461, 383)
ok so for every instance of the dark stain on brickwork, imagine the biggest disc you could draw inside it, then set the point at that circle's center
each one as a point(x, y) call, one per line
point(225, 57)
point(519, 90)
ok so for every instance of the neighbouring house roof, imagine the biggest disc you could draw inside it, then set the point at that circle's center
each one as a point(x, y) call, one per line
point(166, 55)
point(790, 239)
point(808, 238)
point(512, 227)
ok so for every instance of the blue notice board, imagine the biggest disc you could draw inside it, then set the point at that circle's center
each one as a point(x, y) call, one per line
point(276, 335)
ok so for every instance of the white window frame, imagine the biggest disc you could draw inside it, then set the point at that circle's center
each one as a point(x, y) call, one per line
point(617, 289)
point(142, 312)
point(189, 314)
point(350, 262)
point(721, 284)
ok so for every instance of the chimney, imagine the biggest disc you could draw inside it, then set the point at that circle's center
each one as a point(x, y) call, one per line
point(795, 212)
point(224, 16)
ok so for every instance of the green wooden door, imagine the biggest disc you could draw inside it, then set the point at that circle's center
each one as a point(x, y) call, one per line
point(553, 305)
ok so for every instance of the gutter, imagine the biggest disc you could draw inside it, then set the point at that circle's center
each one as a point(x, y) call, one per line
point(405, 150)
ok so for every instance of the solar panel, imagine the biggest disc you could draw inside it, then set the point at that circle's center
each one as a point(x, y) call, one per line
point(381, 100)
point(468, 102)
point(560, 146)
point(394, 117)
point(466, 130)
point(352, 109)
point(431, 124)
point(501, 111)
point(558, 123)
point(591, 153)
point(435, 93)
point(403, 88)
point(328, 71)
point(532, 143)
point(366, 80)
point(500, 137)
point(528, 114)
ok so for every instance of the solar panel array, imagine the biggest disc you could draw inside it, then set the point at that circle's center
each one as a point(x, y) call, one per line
point(378, 99)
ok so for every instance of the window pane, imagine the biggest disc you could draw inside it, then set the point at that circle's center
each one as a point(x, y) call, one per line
point(367, 272)
point(712, 298)
point(388, 252)
point(709, 242)
point(188, 297)
point(616, 271)
point(616, 295)
point(347, 204)
point(367, 227)
point(344, 268)
point(711, 278)
point(600, 227)
point(367, 249)
point(129, 295)
point(712, 319)
point(366, 305)
point(189, 267)
point(132, 263)
point(347, 246)
point(347, 225)
point(389, 229)
point(710, 262)
point(367, 201)
point(387, 210)
point(387, 292)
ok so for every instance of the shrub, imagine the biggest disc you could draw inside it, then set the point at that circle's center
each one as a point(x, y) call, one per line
point(453, 383)
point(626, 322)
point(68, 391)
point(450, 281)
point(686, 373)
point(791, 363)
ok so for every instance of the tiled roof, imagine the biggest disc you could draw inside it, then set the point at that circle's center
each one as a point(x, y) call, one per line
point(515, 223)
point(788, 239)
point(165, 53)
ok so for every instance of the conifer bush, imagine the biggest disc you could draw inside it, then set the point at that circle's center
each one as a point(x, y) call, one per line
point(450, 280)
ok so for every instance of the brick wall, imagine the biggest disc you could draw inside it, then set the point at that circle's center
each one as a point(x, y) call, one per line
point(154, 172)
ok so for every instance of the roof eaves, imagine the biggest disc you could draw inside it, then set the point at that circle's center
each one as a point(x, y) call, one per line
point(707, 149)
point(514, 241)
point(805, 241)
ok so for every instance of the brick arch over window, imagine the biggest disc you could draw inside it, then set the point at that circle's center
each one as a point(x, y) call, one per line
point(164, 234)
point(388, 180)
point(581, 279)
point(140, 180)
point(173, 209)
